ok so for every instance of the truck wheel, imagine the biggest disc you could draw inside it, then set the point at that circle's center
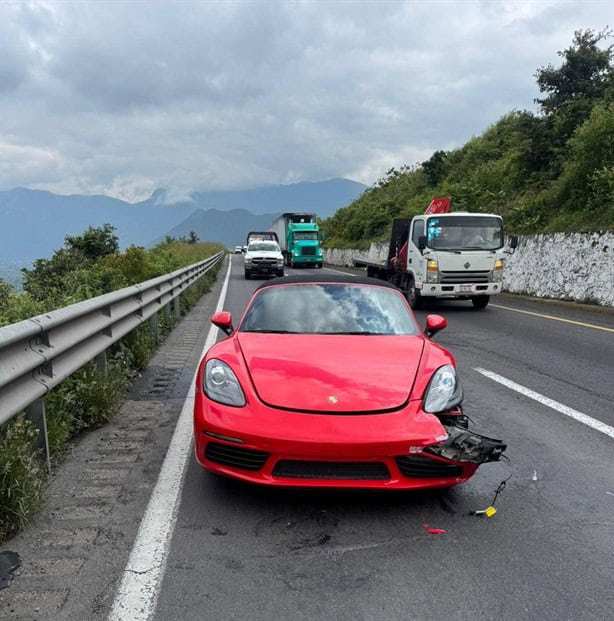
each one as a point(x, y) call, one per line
point(413, 295)
point(247, 275)
point(480, 301)
point(292, 262)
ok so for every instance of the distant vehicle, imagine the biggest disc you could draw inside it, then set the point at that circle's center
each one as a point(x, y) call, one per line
point(261, 236)
point(238, 249)
point(444, 254)
point(352, 396)
point(263, 257)
point(299, 238)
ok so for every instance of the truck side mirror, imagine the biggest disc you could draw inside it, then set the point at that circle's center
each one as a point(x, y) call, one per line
point(514, 242)
point(422, 242)
point(321, 236)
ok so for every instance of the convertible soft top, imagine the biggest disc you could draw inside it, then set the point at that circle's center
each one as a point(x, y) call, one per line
point(326, 278)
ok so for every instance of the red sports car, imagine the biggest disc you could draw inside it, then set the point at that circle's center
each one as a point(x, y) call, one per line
point(329, 382)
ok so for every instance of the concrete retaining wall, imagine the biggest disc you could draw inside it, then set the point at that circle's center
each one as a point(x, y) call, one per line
point(563, 266)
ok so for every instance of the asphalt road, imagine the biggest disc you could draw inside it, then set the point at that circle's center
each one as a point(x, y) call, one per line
point(241, 552)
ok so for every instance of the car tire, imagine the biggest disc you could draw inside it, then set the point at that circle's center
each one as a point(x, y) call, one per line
point(480, 301)
point(280, 273)
point(413, 295)
point(247, 275)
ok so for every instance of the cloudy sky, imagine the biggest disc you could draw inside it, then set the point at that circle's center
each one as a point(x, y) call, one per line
point(120, 98)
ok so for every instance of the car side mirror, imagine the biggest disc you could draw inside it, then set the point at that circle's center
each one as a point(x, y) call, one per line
point(434, 323)
point(223, 320)
point(422, 242)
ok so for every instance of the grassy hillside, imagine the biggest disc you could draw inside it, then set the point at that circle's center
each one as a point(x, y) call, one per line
point(548, 172)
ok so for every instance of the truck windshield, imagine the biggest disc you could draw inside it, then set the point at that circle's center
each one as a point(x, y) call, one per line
point(301, 235)
point(263, 247)
point(464, 233)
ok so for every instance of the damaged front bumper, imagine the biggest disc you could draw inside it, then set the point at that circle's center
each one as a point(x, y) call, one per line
point(463, 445)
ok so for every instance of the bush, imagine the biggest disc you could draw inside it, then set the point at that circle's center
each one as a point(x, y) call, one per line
point(22, 476)
point(88, 398)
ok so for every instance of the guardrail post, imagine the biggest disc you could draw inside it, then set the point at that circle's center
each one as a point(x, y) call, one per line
point(35, 413)
point(177, 306)
point(101, 362)
point(153, 326)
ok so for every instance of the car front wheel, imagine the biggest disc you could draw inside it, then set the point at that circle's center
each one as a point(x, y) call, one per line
point(247, 275)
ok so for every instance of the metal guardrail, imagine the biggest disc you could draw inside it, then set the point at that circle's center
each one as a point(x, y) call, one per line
point(38, 353)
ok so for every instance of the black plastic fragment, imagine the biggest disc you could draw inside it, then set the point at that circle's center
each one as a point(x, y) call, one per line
point(9, 562)
point(468, 446)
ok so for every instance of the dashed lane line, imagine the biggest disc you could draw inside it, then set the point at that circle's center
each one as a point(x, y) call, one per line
point(551, 403)
point(138, 592)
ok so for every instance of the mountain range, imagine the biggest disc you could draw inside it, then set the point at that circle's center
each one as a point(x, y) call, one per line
point(33, 223)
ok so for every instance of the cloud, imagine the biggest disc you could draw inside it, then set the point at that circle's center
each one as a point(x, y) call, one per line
point(132, 96)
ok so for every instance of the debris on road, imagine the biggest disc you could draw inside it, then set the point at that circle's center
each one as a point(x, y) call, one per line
point(433, 531)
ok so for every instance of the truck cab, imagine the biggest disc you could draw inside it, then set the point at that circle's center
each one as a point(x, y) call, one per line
point(456, 255)
point(304, 244)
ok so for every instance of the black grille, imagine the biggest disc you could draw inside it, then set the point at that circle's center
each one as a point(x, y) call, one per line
point(464, 277)
point(335, 470)
point(258, 261)
point(419, 467)
point(235, 456)
point(308, 250)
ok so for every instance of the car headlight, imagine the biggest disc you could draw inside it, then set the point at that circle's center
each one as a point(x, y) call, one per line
point(279, 261)
point(248, 259)
point(221, 384)
point(444, 390)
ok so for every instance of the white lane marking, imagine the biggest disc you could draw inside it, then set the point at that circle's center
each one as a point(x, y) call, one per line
point(330, 269)
point(138, 592)
point(551, 403)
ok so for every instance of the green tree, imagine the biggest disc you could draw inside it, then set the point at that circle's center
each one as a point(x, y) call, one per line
point(435, 168)
point(94, 243)
point(192, 237)
point(583, 78)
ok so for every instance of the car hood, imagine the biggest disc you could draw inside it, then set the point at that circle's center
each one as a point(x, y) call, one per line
point(332, 373)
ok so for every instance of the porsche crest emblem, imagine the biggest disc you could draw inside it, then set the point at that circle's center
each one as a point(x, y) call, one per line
point(333, 399)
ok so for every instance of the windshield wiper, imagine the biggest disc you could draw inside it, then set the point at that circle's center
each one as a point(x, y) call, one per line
point(272, 331)
point(354, 332)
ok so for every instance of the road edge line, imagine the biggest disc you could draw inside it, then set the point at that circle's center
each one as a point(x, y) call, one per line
point(137, 595)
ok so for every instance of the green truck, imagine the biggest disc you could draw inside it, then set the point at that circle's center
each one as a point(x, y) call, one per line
point(299, 239)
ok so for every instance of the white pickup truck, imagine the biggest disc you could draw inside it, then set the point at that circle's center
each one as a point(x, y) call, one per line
point(263, 257)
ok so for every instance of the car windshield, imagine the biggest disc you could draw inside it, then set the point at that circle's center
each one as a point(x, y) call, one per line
point(263, 246)
point(329, 308)
point(464, 233)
